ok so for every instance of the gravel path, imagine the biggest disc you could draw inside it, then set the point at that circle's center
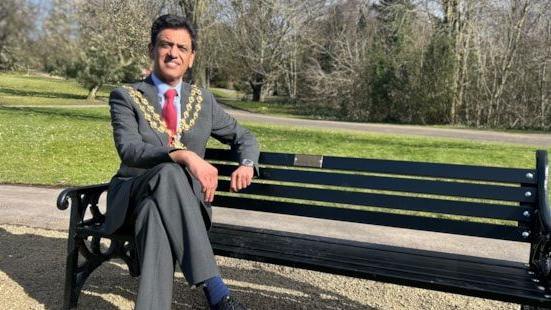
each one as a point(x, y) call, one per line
point(32, 268)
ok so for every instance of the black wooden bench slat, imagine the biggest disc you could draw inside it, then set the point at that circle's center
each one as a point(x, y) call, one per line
point(470, 190)
point(377, 269)
point(351, 180)
point(436, 170)
point(366, 255)
point(430, 282)
point(467, 172)
point(490, 262)
point(385, 265)
point(487, 230)
point(453, 207)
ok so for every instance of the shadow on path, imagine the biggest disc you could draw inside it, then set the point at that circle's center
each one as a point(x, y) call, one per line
point(37, 264)
point(44, 94)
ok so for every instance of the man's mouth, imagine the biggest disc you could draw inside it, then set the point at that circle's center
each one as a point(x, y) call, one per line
point(172, 64)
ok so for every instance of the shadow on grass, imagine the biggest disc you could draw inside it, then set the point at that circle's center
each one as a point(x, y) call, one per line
point(44, 94)
point(266, 107)
point(37, 264)
point(77, 113)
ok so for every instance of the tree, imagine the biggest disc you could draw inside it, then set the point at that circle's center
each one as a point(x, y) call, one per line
point(366, 62)
point(114, 36)
point(16, 19)
point(333, 82)
point(504, 82)
point(260, 32)
point(202, 14)
point(58, 43)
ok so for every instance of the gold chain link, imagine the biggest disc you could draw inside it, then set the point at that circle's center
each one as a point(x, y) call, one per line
point(194, 106)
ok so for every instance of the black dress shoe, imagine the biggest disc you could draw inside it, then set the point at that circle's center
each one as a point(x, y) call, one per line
point(229, 303)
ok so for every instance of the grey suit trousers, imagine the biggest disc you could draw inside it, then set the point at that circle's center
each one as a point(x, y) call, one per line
point(169, 228)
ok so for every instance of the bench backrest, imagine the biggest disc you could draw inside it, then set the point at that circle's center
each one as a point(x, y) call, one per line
point(491, 202)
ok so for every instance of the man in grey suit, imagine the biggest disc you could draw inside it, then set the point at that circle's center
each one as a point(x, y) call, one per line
point(164, 187)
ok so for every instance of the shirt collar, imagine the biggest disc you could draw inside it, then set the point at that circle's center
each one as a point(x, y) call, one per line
point(162, 87)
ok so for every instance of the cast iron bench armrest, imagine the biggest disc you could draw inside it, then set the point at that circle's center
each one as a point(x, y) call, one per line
point(64, 198)
point(543, 187)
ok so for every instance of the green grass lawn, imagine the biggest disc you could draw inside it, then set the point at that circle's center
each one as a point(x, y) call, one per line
point(21, 89)
point(55, 146)
point(73, 146)
point(51, 146)
point(271, 105)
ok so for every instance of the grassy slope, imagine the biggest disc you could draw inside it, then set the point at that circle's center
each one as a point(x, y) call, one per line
point(54, 146)
point(272, 105)
point(19, 89)
point(74, 146)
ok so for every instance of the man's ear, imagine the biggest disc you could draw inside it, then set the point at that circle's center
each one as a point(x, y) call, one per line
point(191, 59)
point(150, 50)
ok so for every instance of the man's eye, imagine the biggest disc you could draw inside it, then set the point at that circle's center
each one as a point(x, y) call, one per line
point(164, 45)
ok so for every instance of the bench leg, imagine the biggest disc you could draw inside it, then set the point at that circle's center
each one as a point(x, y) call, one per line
point(127, 252)
point(70, 297)
point(75, 273)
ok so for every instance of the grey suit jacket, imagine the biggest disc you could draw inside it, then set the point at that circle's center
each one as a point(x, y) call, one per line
point(141, 147)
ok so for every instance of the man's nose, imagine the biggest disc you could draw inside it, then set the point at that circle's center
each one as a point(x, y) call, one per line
point(173, 52)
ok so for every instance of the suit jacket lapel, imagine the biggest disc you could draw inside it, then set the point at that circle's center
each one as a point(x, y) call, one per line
point(148, 89)
point(184, 101)
point(184, 97)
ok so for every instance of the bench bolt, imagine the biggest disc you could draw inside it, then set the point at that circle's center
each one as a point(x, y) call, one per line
point(525, 234)
point(530, 175)
point(528, 194)
point(526, 213)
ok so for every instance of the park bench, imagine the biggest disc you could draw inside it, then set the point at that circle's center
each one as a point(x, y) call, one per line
point(489, 202)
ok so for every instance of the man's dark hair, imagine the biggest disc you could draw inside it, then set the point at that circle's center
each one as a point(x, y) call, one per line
point(170, 21)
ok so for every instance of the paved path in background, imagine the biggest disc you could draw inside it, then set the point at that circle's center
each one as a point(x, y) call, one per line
point(529, 139)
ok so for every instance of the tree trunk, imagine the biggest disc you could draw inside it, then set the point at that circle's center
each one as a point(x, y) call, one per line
point(516, 29)
point(542, 95)
point(256, 84)
point(195, 11)
point(92, 93)
point(451, 22)
point(257, 91)
point(200, 74)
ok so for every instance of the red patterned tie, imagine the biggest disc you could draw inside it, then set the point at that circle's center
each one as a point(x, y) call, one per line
point(169, 114)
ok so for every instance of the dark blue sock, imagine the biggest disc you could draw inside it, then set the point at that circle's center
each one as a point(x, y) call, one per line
point(215, 290)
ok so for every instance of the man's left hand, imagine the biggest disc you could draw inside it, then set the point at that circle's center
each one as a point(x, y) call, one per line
point(241, 178)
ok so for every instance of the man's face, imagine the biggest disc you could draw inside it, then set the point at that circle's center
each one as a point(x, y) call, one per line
point(172, 55)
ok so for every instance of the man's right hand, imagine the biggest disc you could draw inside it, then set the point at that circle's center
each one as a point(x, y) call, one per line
point(204, 172)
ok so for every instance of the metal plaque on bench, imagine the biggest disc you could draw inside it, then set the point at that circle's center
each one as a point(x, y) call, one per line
point(315, 161)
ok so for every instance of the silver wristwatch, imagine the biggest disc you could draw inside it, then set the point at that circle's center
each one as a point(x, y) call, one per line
point(247, 163)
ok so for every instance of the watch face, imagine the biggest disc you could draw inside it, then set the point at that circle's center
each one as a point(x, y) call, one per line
point(247, 162)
